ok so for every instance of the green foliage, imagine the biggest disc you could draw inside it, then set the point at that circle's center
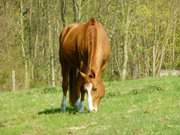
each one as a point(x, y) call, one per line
point(151, 23)
point(147, 106)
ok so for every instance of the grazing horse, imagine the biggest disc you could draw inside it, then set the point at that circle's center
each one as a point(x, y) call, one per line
point(83, 53)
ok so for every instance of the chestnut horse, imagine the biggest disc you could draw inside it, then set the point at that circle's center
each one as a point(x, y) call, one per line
point(84, 52)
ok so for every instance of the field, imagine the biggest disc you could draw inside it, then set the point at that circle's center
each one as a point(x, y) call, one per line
point(149, 106)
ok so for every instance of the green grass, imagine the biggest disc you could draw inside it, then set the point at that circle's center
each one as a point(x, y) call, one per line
point(135, 107)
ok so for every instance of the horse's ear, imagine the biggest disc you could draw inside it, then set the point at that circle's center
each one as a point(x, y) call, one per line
point(82, 74)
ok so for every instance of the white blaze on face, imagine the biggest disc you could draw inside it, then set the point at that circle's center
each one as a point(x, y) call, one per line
point(88, 87)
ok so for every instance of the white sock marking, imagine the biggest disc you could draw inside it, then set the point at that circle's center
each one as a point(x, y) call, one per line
point(77, 104)
point(81, 106)
point(63, 104)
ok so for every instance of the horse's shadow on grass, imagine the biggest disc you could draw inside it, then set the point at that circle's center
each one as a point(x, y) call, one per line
point(48, 111)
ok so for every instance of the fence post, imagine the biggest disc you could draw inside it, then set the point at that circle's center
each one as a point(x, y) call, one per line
point(13, 80)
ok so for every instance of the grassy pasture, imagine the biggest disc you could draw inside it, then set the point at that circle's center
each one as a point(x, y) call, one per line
point(149, 106)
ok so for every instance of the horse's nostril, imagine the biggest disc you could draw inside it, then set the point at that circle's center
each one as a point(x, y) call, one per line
point(95, 109)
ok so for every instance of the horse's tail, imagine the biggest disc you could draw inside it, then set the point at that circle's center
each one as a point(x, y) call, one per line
point(60, 45)
point(61, 40)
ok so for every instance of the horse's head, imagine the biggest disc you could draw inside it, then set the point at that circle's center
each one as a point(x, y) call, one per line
point(94, 87)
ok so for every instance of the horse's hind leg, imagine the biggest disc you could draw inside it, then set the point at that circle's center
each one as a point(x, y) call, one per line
point(65, 74)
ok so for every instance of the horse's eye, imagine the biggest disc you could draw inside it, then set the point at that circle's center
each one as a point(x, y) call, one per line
point(94, 89)
point(91, 76)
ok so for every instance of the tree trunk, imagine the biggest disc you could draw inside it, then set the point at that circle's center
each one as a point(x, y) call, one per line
point(125, 49)
point(26, 74)
point(26, 81)
point(52, 70)
point(174, 40)
point(63, 12)
point(31, 46)
point(77, 10)
point(165, 42)
point(154, 61)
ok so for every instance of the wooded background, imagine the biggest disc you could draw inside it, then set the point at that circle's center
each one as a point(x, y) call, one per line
point(144, 37)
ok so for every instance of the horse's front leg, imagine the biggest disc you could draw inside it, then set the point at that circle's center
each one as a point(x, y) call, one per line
point(81, 105)
point(65, 73)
